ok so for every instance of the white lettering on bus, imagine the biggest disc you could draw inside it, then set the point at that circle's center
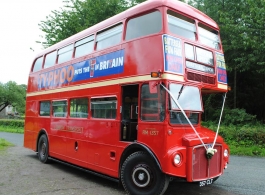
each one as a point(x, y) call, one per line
point(86, 69)
point(172, 42)
point(78, 71)
point(172, 50)
point(111, 63)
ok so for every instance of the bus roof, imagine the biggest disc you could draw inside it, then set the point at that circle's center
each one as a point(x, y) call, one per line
point(179, 6)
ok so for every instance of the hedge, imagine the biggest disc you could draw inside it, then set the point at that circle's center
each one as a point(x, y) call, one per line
point(12, 122)
point(245, 135)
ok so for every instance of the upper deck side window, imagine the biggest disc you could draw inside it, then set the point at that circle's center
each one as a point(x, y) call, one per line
point(84, 46)
point(181, 25)
point(65, 53)
point(38, 64)
point(50, 59)
point(209, 37)
point(147, 24)
point(109, 37)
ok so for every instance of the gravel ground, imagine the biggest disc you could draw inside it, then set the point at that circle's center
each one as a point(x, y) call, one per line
point(22, 173)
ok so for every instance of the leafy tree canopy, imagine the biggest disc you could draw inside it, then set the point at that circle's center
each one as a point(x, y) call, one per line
point(242, 29)
point(78, 15)
point(242, 32)
point(13, 94)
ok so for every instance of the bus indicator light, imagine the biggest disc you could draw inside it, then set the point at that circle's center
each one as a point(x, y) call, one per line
point(155, 74)
point(169, 132)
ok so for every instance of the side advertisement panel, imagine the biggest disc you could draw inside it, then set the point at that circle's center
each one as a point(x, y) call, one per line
point(173, 60)
point(105, 65)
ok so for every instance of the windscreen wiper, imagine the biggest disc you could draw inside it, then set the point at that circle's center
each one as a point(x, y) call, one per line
point(180, 91)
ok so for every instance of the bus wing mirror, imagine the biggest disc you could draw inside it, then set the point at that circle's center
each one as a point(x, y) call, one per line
point(153, 86)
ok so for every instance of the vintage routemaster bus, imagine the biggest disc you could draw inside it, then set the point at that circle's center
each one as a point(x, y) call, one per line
point(123, 98)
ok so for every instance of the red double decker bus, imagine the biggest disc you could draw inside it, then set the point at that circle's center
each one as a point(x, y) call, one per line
point(123, 99)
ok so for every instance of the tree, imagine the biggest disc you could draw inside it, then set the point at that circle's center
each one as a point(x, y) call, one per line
point(243, 38)
point(78, 15)
point(13, 94)
point(242, 32)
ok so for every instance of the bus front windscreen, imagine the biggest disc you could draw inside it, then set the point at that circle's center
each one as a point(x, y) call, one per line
point(188, 97)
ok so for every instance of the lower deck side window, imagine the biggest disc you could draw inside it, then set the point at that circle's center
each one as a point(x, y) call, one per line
point(104, 107)
point(59, 108)
point(45, 108)
point(79, 108)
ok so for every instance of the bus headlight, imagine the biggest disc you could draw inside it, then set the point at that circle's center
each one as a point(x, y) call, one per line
point(226, 153)
point(177, 160)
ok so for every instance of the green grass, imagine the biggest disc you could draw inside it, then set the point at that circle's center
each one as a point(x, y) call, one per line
point(246, 148)
point(11, 129)
point(246, 140)
point(4, 144)
point(247, 151)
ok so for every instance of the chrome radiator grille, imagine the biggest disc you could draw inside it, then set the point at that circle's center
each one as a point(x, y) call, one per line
point(202, 168)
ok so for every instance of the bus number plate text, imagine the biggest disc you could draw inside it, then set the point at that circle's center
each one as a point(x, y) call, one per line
point(205, 182)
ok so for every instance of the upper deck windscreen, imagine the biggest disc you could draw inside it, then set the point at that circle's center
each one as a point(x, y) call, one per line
point(192, 47)
point(185, 27)
point(181, 25)
point(209, 37)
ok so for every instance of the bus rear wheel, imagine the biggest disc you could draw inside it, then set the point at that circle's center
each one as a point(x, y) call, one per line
point(140, 175)
point(43, 149)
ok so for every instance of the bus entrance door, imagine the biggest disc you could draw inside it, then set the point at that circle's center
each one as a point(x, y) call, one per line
point(129, 112)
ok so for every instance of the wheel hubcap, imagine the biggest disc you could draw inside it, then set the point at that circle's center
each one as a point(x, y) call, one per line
point(141, 176)
point(43, 149)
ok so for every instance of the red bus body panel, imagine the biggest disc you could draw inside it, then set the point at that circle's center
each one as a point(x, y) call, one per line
point(96, 143)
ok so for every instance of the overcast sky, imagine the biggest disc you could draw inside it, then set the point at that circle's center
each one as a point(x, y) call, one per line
point(18, 33)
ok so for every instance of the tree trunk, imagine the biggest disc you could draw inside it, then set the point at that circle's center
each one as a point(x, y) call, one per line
point(3, 105)
point(235, 83)
point(263, 112)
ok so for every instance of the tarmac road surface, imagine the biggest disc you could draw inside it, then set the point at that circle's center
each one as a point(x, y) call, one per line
point(14, 138)
point(22, 173)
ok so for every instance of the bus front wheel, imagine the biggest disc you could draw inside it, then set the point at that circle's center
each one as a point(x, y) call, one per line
point(140, 175)
point(43, 149)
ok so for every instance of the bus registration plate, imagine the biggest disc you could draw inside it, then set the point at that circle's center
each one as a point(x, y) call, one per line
point(205, 182)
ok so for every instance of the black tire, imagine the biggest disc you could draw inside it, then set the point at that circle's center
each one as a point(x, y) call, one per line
point(140, 175)
point(43, 149)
